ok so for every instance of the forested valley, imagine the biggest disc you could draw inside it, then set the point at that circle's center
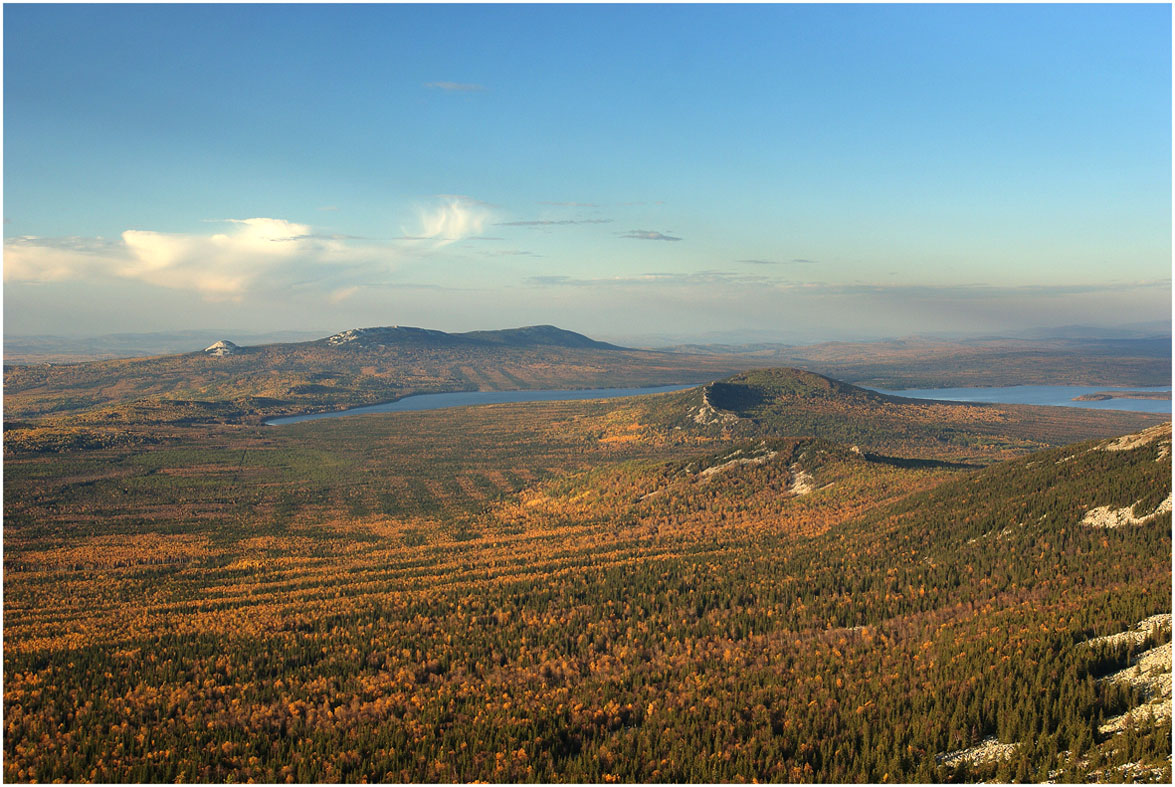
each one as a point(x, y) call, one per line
point(775, 577)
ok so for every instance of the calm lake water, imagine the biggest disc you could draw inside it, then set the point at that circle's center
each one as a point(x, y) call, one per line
point(466, 398)
point(1061, 395)
point(1057, 395)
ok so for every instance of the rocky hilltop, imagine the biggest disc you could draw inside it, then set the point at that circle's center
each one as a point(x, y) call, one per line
point(221, 348)
point(402, 335)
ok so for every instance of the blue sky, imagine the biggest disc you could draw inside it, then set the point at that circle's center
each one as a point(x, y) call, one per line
point(818, 171)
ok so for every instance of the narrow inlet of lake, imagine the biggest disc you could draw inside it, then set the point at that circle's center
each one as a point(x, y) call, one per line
point(439, 401)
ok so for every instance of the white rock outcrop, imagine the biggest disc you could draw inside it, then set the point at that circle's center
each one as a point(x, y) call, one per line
point(709, 414)
point(1110, 517)
point(221, 348)
point(802, 482)
point(1139, 439)
point(354, 334)
point(1151, 674)
point(756, 458)
point(1138, 634)
point(988, 750)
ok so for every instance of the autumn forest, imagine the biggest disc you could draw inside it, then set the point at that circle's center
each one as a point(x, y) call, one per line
point(776, 576)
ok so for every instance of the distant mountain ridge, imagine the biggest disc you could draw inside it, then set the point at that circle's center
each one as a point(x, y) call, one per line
point(359, 366)
point(539, 335)
point(528, 336)
point(28, 349)
point(64, 349)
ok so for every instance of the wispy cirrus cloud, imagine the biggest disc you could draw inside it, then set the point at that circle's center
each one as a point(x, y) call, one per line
point(551, 222)
point(322, 236)
point(511, 253)
point(648, 235)
point(455, 87)
point(778, 262)
point(466, 199)
point(707, 278)
point(342, 294)
point(455, 218)
point(556, 281)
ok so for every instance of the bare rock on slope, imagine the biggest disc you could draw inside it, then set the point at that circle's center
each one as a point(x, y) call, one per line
point(221, 348)
point(1160, 432)
point(1110, 517)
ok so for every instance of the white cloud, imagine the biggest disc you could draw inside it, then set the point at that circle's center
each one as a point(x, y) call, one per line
point(253, 254)
point(779, 262)
point(456, 218)
point(551, 222)
point(247, 256)
point(30, 258)
point(704, 279)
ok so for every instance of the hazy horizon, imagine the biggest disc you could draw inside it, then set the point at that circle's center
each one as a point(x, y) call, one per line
point(807, 171)
point(131, 344)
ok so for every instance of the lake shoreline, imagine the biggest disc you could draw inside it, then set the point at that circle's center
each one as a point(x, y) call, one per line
point(444, 400)
point(1147, 398)
point(1102, 396)
point(1048, 396)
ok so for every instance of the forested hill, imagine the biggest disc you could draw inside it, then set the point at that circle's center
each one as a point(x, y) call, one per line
point(789, 402)
point(530, 336)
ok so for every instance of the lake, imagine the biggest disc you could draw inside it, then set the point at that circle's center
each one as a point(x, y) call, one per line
point(440, 401)
point(1055, 395)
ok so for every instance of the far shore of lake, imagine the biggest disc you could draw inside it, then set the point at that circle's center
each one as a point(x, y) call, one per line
point(1102, 396)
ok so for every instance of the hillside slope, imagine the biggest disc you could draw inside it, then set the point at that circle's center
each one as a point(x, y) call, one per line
point(793, 402)
point(570, 607)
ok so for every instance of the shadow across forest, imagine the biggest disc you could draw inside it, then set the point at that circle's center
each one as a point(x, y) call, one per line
point(920, 464)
